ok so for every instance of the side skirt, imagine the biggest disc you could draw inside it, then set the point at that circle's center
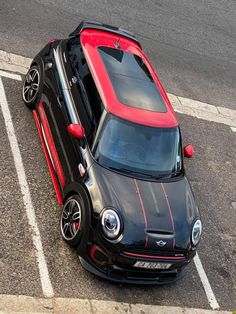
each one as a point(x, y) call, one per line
point(50, 166)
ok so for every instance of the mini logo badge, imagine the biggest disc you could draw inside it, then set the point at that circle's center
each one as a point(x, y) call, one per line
point(161, 243)
point(117, 43)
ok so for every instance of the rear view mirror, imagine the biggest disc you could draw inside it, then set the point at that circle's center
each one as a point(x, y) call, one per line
point(189, 151)
point(76, 130)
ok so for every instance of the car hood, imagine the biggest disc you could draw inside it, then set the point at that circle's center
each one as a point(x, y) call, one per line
point(156, 215)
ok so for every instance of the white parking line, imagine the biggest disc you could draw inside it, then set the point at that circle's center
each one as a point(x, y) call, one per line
point(14, 63)
point(41, 261)
point(205, 282)
point(203, 111)
point(10, 75)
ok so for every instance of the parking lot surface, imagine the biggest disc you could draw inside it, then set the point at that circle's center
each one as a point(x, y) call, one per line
point(211, 172)
point(191, 43)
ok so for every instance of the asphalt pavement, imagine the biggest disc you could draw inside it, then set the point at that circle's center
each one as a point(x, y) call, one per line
point(192, 45)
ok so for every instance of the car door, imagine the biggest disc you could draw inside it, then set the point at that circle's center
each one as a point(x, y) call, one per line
point(59, 113)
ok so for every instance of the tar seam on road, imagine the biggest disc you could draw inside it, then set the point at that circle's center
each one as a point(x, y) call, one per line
point(205, 282)
point(42, 265)
point(40, 257)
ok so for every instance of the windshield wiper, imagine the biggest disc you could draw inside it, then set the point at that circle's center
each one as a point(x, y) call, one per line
point(124, 170)
point(176, 174)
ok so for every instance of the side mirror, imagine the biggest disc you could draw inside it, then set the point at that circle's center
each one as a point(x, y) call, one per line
point(76, 130)
point(189, 151)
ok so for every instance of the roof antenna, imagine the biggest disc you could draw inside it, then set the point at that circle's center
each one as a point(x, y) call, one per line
point(117, 43)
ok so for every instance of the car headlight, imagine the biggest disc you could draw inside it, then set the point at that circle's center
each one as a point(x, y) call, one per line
point(196, 232)
point(111, 224)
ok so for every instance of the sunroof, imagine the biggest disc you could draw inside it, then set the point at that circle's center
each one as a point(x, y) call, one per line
point(131, 80)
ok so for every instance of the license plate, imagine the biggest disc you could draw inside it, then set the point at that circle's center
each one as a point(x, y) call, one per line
point(152, 265)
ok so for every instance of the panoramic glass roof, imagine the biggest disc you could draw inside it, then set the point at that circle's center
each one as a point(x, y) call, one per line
point(131, 80)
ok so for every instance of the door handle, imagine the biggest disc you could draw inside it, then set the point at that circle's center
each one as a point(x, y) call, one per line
point(59, 101)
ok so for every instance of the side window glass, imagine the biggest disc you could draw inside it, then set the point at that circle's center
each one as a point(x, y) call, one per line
point(93, 97)
point(92, 101)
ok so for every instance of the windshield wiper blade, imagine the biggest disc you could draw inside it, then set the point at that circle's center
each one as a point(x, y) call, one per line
point(175, 174)
point(124, 170)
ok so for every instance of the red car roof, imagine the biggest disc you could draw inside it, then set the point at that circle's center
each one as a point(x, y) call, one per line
point(91, 40)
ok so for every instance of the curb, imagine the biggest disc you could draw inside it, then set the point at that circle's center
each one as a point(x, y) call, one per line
point(12, 304)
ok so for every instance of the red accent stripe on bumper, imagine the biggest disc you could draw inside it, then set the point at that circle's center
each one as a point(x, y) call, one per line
point(155, 256)
point(51, 170)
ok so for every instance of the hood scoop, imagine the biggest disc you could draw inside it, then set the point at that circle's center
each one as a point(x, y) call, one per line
point(157, 233)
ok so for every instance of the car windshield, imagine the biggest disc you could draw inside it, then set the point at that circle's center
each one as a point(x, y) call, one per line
point(138, 149)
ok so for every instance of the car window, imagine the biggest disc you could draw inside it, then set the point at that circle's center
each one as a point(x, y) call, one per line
point(88, 89)
point(93, 97)
point(131, 79)
point(127, 146)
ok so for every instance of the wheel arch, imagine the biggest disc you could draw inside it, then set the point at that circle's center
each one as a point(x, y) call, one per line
point(38, 62)
point(77, 188)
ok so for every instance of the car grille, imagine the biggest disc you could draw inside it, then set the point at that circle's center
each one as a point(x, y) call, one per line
point(142, 274)
point(157, 252)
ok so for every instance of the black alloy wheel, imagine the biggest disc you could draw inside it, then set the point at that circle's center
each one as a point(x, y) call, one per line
point(31, 87)
point(75, 222)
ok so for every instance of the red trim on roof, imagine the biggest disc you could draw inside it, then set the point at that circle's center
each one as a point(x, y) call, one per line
point(92, 39)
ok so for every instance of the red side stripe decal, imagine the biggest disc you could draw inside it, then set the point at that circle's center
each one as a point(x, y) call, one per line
point(51, 145)
point(170, 211)
point(51, 170)
point(143, 209)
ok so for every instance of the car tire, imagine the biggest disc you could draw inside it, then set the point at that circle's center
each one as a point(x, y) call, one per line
point(75, 221)
point(31, 87)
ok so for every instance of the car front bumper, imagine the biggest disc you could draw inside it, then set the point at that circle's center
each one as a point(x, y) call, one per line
point(122, 275)
point(120, 268)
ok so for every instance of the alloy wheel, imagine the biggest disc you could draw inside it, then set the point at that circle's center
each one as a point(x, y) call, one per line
point(71, 219)
point(31, 85)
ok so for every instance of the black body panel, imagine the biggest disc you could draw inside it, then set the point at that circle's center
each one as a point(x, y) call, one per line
point(132, 276)
point(151, 211)
point(128, 195)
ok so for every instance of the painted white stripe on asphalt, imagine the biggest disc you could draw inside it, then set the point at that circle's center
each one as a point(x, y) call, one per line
point(14, 63)
point(41, 261)
point(206, 285)
point(10, 75)
point(203, 111)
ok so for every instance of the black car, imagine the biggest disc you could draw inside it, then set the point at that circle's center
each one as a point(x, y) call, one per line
point(113, 147)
